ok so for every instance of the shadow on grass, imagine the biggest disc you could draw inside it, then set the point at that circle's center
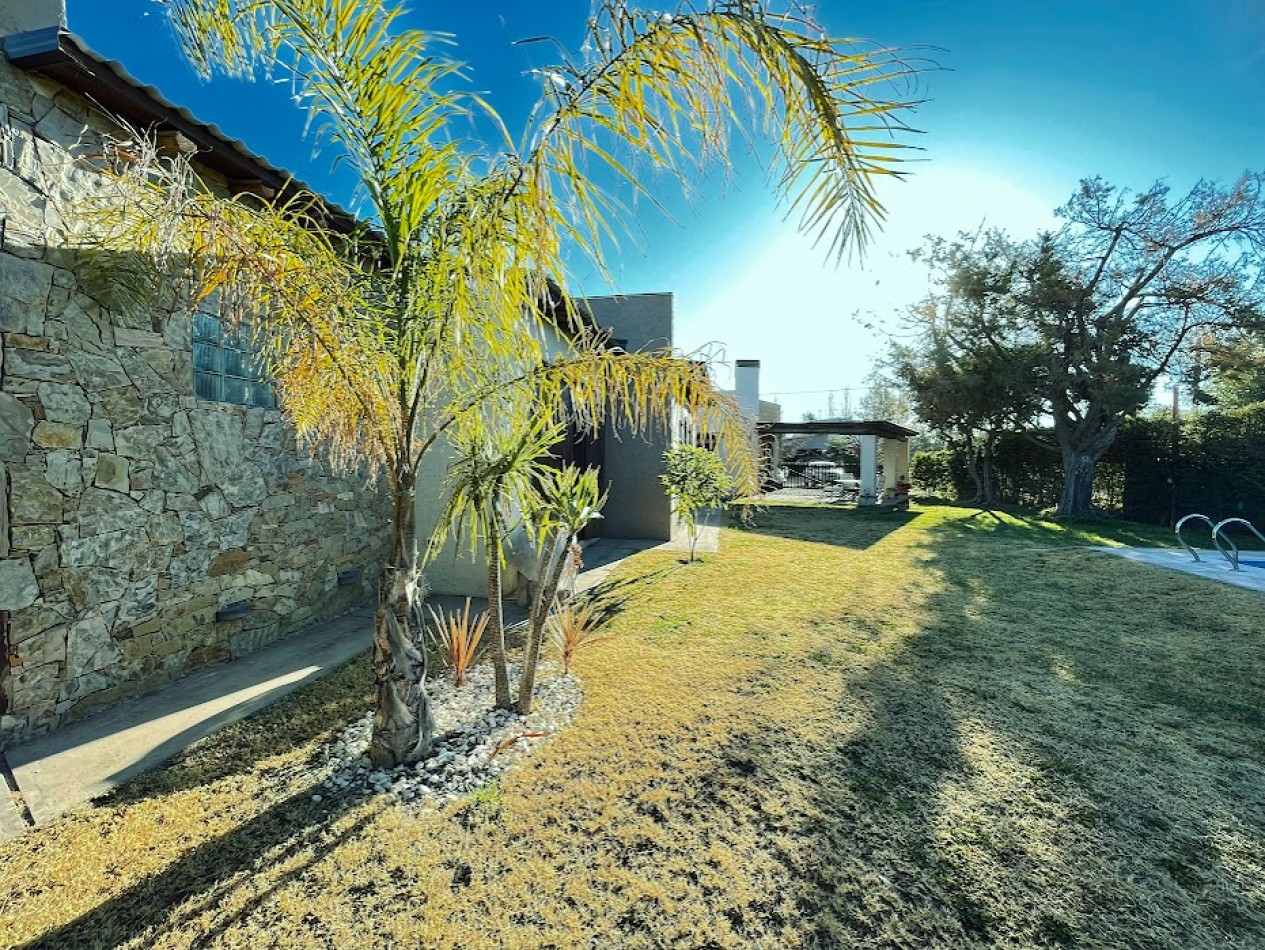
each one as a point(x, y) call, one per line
point(1064, 755)
point(1068, 752)
point(611, 596)
point(200, 881)
point(296, 720)
point(857, 528)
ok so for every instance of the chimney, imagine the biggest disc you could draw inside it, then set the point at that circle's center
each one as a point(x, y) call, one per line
point(747, 389)
point(23, 16)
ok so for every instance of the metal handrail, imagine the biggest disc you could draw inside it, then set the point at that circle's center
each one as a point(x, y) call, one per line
point(1189, 550)
point(1216, 535)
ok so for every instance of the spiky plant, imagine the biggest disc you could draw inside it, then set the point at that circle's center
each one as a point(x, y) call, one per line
point(458, 635)
point(573, 627)
point(385, 341)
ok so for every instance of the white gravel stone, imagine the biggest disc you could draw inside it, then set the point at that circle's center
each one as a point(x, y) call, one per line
point(468, 735)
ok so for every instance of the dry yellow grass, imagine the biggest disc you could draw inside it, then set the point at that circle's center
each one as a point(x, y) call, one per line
point(946, 728)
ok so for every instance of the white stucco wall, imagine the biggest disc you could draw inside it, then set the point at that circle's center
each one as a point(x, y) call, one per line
point(457, 569)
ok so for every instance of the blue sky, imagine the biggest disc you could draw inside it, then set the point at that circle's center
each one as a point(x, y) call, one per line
point(1030, 97)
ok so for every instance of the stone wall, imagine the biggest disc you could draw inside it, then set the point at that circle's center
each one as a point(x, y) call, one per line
point(132, 511)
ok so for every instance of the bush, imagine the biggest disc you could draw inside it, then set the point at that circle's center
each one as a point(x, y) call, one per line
point(695, 478)
point(932, 473)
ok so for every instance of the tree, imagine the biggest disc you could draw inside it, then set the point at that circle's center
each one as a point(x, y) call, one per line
point(971, 367)
point(386, 341)
point(1228, 372)
point(1117, 293)
point(1090, 317)
point(695, 479)
point(495, 468)
point(569, 500)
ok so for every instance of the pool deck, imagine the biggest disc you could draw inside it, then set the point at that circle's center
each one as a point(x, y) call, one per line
point(1250, 576)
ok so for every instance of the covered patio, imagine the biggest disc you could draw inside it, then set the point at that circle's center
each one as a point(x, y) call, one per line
point(883, 445)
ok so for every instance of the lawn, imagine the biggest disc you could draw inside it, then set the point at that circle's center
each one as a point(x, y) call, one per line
point(882, 729)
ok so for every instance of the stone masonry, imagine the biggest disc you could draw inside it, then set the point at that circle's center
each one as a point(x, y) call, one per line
point(130, 512)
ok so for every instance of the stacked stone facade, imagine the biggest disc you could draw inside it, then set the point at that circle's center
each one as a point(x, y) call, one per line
point(131, 511)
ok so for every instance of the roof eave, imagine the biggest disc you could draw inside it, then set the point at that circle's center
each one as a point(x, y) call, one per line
point(68, 61)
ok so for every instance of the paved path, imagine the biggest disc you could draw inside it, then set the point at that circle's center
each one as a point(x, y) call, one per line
point(89, 758)
point(1214, 567)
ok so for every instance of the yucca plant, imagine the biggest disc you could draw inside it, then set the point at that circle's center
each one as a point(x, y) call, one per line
point(387, 341)
point(493, 469)
point(569, 500)
point(573, 627)
point(458, 636)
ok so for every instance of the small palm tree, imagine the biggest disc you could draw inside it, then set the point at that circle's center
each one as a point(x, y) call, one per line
point(494, 469)
point(387, 340)
point(570, 500)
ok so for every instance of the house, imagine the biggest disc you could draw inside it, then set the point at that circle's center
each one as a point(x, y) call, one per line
point(629, 464)
point(156, 513)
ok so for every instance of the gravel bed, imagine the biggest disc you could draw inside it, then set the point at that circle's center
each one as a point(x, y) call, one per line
point(473, 743)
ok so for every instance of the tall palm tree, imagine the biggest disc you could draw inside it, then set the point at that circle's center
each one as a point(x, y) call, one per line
point(386, 341)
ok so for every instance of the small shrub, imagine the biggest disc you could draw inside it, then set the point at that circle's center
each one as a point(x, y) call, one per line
point(572, 627)
point(695, 478)
point(458, 635)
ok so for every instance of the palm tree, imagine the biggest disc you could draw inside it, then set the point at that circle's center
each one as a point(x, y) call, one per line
point(386, 341)
point(569, 500)
point(492, 469)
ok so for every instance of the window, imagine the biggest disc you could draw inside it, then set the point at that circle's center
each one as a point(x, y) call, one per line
point(226, 366)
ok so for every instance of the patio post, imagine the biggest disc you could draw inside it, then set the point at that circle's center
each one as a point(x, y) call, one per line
point(892, 471)
point(869, 469)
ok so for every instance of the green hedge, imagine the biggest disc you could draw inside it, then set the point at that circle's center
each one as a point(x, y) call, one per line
point(1156, 471)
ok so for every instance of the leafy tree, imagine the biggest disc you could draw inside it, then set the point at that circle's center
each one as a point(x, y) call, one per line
point(392, 338)
point(1229, 372)
point(1088, 318)
point(695, 479)
point(971, 368)
point(1117, 293)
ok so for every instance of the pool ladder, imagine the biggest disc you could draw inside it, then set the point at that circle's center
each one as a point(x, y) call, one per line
point(1229, 550)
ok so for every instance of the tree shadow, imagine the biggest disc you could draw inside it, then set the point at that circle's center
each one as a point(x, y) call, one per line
point(857, 528)
point(1039, 764)
point(293, 829)
point(301, 718)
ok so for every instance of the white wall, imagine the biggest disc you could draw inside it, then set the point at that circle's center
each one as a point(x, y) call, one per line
point(456, 569)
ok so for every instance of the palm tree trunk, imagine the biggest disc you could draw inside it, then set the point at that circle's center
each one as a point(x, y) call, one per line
point(548, 591)
point(496, 619)
point(402, 721)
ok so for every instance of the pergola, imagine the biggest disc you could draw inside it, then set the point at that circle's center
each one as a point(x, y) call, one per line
point(895, 450)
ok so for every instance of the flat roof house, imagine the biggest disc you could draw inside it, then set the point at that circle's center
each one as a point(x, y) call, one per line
point(155, 514)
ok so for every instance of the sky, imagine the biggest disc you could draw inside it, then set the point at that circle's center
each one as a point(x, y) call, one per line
point(1019, 101)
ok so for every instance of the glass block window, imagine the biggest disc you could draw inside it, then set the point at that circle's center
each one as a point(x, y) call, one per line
point(226, 366)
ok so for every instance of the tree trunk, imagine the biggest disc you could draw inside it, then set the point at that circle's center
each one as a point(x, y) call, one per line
point(496, 619)
point(1078, 484)
point(402, 721)
point(971, 458)
point(1082, 446)
point(546, 594)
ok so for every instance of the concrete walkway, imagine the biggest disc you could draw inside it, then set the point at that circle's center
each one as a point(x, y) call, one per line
point(1214, 567)
point(89, 758)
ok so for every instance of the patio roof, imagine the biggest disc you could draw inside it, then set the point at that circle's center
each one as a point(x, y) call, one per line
point(878, 427)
